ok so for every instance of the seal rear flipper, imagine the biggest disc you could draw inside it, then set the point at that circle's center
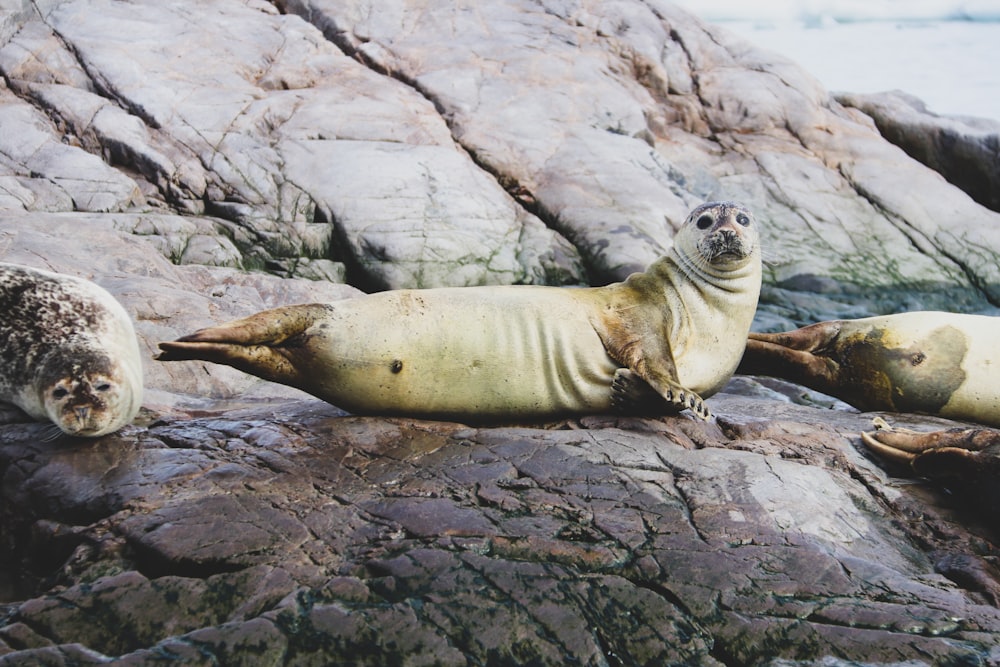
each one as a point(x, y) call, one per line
point(953, 452)
point(630, 394)
point(811, 338)
point(773, 356)
point(260, 360)
point(269, 327)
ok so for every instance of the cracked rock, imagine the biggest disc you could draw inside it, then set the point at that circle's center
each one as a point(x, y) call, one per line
point(206, 161)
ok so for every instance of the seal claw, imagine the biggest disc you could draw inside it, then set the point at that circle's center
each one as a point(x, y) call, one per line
point(630, 394)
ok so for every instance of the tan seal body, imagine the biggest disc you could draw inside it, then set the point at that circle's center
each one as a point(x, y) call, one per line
point(652, 342)
point(68, 352)
point(929, 362)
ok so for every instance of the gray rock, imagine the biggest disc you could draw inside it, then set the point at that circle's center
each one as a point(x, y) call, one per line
point(625, 115)
point(284, 136)
point(965, 150)
point(331, 538)
point(166, 301)
point(204, 161)
point(42, 173)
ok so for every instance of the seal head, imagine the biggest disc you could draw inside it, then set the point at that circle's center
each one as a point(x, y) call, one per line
point(84, 392)
point(728, 234)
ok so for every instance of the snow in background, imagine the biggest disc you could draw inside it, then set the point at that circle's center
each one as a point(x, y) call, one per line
point(947, 53)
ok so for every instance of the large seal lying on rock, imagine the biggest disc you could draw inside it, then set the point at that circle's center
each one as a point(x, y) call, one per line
point(930, 362)
point(660, 340)
point(68, 352)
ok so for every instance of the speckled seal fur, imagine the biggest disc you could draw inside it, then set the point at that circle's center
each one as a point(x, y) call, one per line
point(68, 352)
point(659, 341)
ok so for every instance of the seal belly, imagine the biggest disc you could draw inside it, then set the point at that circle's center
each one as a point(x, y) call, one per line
point(466, 352)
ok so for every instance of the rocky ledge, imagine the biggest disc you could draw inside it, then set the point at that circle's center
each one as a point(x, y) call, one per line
point(203, 161)
point(294, 534)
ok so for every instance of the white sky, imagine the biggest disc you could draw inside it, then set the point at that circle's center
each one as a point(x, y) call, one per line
point(868, 46)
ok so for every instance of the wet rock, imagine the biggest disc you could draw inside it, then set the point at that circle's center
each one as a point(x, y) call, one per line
point(204, 161)
point(326, 536)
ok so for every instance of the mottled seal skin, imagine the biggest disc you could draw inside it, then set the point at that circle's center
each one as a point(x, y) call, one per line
point(656, 342)
point(68, 352)
point(928, 362)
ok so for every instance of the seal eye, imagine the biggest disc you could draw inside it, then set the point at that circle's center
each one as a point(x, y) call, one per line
point(743, 219)
point(705, 221)
point(60, 392)
point(104, 386)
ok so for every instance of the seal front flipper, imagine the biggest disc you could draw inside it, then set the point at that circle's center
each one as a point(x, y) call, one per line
point(632, 395)
point(636, 342)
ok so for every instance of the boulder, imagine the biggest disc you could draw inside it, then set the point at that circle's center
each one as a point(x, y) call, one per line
point(962, 149)
point(298, 534)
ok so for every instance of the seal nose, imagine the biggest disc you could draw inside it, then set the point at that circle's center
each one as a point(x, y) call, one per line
point(82, 412)
point(728, 239)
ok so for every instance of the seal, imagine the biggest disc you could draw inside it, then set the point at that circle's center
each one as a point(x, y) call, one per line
point(967, 460)
point(68, 352)
point(928, 362)
point(954, 452)
point(659, 341)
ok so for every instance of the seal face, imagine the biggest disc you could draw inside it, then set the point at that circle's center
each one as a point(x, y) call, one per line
point(929, 362)
point(68, 352)
point(656, 342)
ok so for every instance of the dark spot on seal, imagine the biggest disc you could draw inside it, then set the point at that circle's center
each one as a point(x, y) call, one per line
point(920, 378)
point(397, 366)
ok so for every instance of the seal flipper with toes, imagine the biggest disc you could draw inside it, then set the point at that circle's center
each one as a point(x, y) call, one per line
point(259, 344)
point(494, 353)
point(631, 395)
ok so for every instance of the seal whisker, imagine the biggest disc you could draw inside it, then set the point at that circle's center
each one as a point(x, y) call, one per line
point(50, 432)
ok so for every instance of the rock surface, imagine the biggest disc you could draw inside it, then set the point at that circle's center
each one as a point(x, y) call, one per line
point(966, 151)
point(295, 534)
point(204, 161)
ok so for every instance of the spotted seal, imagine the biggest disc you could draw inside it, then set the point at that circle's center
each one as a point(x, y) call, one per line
point(68, 352)
point(929, 362)
point(660, 340)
